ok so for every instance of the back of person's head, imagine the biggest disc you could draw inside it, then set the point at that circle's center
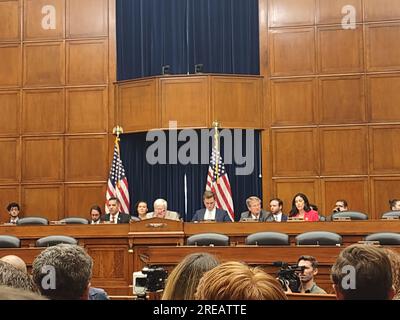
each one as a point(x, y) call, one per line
point(237, 281)
point(10, 276)
point(394, 258)
point(16, 261)
point(362, 272)
point(8, 293)
point(63, 272)
point(183, 280)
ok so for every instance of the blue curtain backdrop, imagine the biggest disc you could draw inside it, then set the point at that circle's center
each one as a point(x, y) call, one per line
point(149, 182)
point(222, 35)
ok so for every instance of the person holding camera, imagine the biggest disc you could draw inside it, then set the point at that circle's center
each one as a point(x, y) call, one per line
point(309, 266)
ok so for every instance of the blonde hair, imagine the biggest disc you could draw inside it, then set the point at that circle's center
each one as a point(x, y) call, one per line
point(237, 281)
point(394, 258)
point(183, 280)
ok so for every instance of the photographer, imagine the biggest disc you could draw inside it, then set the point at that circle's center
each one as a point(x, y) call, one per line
point(310, 270)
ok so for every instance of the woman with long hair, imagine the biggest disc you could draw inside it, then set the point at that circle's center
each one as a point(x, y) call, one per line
point(301, 208)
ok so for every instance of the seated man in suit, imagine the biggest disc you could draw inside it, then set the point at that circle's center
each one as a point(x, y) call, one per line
point(276, 214)
point(13, 210)
point(211, 212)
point(255, 212)
point(115, 216)
point(160, 211)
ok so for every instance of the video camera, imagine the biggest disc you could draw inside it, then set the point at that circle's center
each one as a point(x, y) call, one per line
point(288, 275)
point(149, 279)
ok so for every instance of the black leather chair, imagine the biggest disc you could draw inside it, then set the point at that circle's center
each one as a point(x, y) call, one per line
point(353, 215)
point(322, 218)
point(391, 214)
point(323, 238)
point(208, 239)
point(9, 242)
point(32, 221)
point(75, 220)
point(385, 238)
point(54, 240)
point(268, 239)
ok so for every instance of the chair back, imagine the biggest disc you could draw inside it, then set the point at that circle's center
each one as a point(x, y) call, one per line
point(391, 214)
point(385, 238)
point(54, 240)
point(323, 238)
point(9, 242)
point(74, 220)
point(268, 239)
point(208, 239)
point(353, 215)
point(32, 221)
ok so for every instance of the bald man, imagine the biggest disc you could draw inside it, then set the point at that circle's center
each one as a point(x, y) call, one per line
point(16, 262)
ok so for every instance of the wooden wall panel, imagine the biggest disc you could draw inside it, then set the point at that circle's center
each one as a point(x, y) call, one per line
point(9, 160)
point(293, 102)
point(344, 151)
point(44, 64)
point(342, 100)
point(384, 98)
point(236, 102)
point(384, 142)
point(87, 109)
point(42, 159)
point(378, 10)
point(353, 190)
point(331, 11)
point(182, 98)
point(10, 66)
point(86, 158)
point(43, 111)
point(340, 50)
point(382, 190)
point(292, 52)
point(79, 198)
point(10, 111)
point(87, 18)
point(33, 27)
point(137, 105)
point(87, 62)
point(291, 12)
point(383, 47)
point(9, 193)
point(43, 201)
point(295, 152)
point(285, 189)
point(10, 20)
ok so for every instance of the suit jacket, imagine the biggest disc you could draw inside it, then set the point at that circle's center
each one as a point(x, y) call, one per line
point(264, 215)
point(220, 215)
point(122, 217)
point(270, 217)
point(171, 215)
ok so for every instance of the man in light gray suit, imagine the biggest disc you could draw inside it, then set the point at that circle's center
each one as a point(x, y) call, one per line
point(255, 212)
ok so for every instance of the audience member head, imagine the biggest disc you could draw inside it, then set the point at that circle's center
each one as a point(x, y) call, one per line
point(276, 205)
point(63, 272)
point(362, 272)
point(8, 293)
point(299, 203)
point(10, 276)
point(394, 204)
point(340, 205)
point(113, 205)
point(183, 280)
point(254, 205)
point(209, 200)
point(237, 281)
point(141, 209)
point(160, 208)
point(95, 213)
point(394, 258)
point(16, 262)
point(13, 209)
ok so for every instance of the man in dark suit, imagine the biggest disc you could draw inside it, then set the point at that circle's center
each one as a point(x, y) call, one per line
point(115, 216)
point(276, 214)
point(211, 212)
point(255, 212)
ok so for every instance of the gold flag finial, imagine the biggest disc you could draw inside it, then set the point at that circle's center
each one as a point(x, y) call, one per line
point(118, 130)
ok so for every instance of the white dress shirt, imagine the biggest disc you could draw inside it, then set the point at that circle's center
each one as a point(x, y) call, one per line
point(210, 215)
point(277, 217)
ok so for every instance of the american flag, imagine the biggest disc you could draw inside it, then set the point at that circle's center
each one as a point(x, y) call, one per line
point(117, 185)
point(218, 183)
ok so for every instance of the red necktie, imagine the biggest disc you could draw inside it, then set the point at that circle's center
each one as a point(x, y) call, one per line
point(112, 219)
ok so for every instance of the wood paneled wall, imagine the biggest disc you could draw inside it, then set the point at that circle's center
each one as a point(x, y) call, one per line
point(333, 98)
point(56, 104)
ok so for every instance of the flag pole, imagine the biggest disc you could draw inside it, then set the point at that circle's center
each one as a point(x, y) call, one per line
point(216, 143)
point(117, 131)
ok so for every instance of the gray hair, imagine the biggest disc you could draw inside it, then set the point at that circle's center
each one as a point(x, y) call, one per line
point(10, 276)
point(251, 199)
point(161, 202)
point(72, 267)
